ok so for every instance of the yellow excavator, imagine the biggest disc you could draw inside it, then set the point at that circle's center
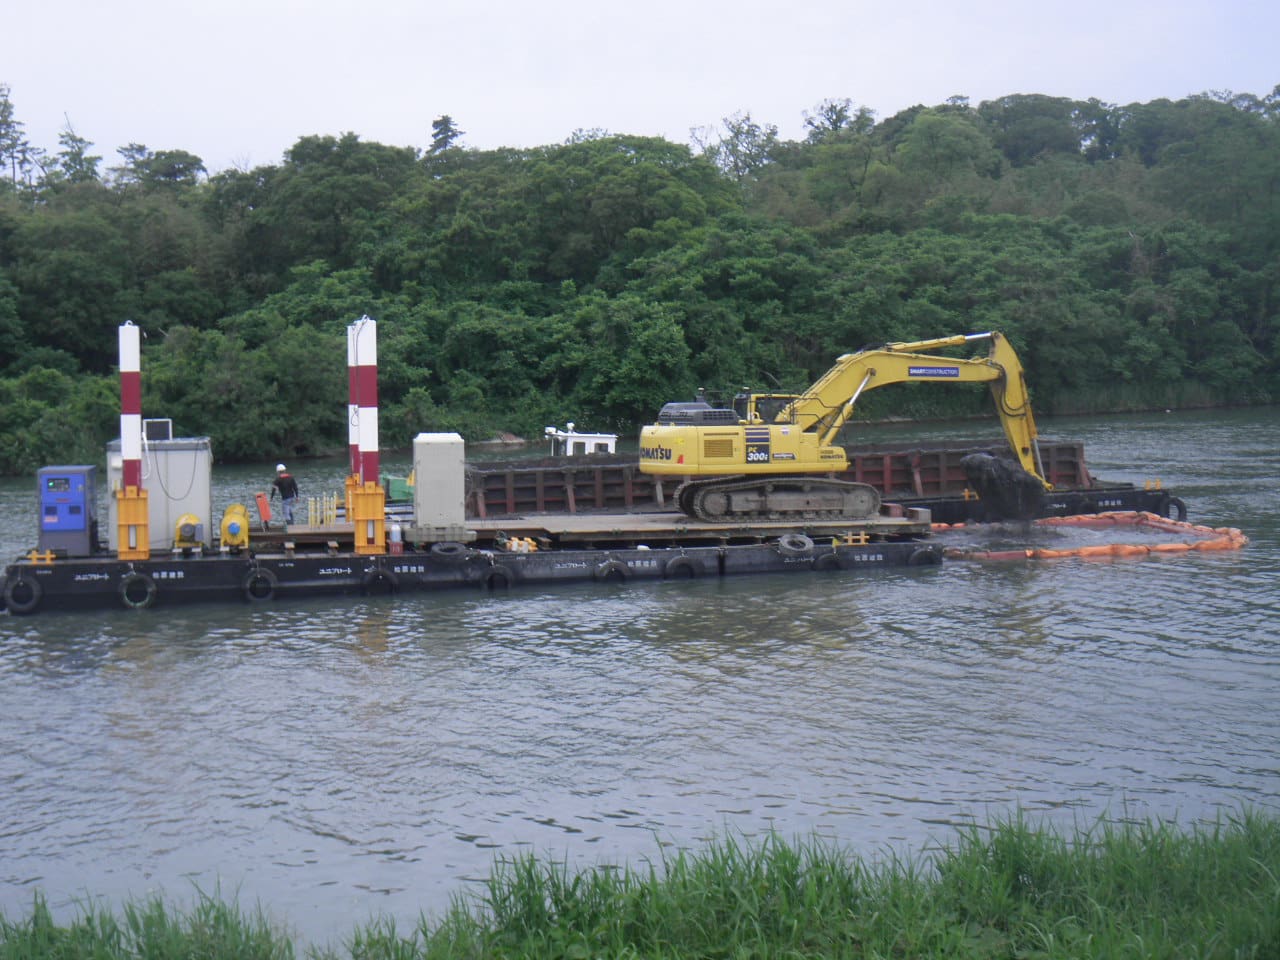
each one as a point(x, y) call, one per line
point(763, 459)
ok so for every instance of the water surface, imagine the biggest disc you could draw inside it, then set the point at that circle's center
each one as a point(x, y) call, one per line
point(339, 759)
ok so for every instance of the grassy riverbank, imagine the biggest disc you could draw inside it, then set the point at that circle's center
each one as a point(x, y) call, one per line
point(1005, 891)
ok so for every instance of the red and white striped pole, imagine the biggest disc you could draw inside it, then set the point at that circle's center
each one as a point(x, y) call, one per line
point(130, 406)
point(353, 403)
point(366, 500)
point(366, 396)
point(133, 521)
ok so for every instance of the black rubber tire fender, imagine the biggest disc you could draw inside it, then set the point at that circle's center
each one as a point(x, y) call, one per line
point(22, 595)
point(450, 551)
point(498, 577)
point(924, 557)
point(130, 583)
point(259, 585)
point(795, 545)
point(613, 571)
point(379, 580)
point(827, 561)
point(682, 567)
point(1174, 509)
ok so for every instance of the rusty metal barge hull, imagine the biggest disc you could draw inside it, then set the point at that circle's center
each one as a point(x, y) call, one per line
point(930, 477)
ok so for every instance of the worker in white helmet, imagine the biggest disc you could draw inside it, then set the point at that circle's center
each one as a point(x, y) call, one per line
point(287, 487)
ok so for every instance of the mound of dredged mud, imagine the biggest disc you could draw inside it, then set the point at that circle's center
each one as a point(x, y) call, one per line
point(1006, 490)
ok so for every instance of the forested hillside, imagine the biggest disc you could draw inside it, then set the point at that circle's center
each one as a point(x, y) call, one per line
point(1131, 254)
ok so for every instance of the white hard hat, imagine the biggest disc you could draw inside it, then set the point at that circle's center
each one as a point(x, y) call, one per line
point(279, 468)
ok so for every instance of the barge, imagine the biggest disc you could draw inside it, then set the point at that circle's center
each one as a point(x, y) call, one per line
point(498, 525)
point(541, 523)
point(431, 546)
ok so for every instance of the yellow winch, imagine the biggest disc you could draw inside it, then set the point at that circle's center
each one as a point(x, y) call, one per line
point(235, 527)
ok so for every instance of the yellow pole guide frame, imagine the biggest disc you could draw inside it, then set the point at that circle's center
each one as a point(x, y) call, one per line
point(133, 529)
point(368, 517)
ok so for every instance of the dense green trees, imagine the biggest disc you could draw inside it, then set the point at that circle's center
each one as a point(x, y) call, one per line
point(1132, 253)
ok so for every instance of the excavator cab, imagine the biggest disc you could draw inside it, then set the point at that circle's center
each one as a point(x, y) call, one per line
point(763, 407)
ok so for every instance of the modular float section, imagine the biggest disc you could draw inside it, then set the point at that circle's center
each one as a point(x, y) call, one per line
point(437, 546)
point(291, 565)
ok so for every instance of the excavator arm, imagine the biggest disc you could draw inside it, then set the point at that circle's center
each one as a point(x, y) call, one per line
point(829, 403)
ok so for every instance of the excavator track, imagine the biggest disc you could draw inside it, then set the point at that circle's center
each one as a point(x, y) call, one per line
point(726, 499)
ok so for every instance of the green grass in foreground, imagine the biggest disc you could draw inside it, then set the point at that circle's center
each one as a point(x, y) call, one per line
point(1005, 891)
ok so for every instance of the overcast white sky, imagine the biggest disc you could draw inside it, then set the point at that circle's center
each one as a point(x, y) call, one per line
point(237, 82)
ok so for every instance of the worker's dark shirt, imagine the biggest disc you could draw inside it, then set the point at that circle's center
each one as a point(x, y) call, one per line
point(287, 486)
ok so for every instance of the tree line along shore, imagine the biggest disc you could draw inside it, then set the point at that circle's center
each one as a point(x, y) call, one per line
point(1131, 253)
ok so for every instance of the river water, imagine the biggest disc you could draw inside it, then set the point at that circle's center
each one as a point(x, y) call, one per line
point(341, 759)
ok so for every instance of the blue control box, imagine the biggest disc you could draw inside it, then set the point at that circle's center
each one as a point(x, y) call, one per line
point(67, 501)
